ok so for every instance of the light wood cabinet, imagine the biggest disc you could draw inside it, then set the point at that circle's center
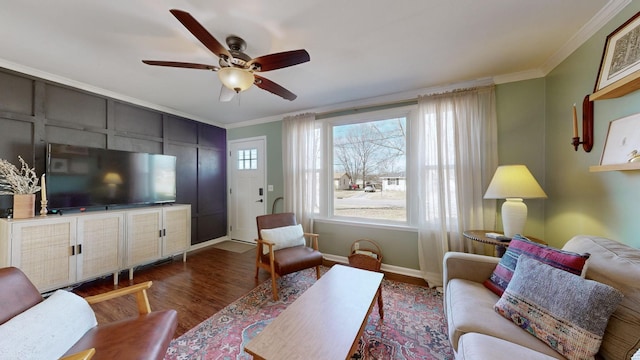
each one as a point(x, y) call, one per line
point(58, 251)
point(100, 245)
point(177, 230)
point(144, 236)
point(45, 251)
point(156, 233)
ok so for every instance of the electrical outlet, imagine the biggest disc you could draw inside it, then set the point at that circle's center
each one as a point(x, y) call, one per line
point(269, 187)
point(356, 246)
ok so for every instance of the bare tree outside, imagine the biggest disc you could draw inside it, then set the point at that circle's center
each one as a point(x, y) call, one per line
point(356, 150)
point(368, 153)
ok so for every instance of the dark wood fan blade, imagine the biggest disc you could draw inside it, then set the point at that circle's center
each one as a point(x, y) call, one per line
point(270, 86)
point(280, 60)
point(201, 33)
point(181, 65)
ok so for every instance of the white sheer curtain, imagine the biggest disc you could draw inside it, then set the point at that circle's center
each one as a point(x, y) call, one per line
point(301, 163)
point(454, 141)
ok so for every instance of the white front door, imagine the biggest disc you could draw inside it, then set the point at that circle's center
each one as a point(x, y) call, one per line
point(247, 190)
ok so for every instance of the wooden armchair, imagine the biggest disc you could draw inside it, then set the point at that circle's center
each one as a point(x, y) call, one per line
point(146, 336)
point(278, 260)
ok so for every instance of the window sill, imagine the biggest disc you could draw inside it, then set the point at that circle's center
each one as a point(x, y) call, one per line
point(364, 224)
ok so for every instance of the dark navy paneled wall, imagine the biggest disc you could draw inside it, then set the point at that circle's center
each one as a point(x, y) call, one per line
point(34, 112)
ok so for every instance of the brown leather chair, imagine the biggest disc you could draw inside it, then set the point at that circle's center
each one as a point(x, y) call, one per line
point(146, 336)
point(285, 261)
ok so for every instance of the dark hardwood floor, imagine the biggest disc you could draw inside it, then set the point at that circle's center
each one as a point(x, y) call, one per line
point(210, 280)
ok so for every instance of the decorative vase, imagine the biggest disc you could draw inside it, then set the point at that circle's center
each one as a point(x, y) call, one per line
point(24, 206)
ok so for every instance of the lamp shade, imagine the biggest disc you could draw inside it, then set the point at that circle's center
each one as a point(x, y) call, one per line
point(514, 181)
point(235, 78)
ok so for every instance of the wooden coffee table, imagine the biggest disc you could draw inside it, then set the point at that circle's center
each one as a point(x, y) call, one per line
point(325, 322)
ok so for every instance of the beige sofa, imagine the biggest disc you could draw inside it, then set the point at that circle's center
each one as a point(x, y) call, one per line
point(477, 331)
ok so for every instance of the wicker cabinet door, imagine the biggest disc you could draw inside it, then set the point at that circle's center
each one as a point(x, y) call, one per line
point(44, 250)
point(101, 240)
point(177, 229)
point(143, 236)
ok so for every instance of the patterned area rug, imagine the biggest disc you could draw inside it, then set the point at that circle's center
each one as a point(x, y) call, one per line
point(413, 327)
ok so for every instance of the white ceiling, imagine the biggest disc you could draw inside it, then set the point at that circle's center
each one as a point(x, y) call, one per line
point(360, 49)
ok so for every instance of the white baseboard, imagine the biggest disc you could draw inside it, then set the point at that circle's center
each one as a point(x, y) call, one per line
point(208, 243)
point(339, 259)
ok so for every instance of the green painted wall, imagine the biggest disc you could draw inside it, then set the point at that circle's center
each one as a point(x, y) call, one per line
point(399, 247)
point(535, 129)
point(582, 202)
point(521, 130)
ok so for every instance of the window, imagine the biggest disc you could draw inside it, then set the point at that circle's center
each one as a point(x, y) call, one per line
point(248, 159)
point(368, 157)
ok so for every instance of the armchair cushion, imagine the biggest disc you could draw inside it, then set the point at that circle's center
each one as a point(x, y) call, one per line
point(294, 259)
point(564, 310)
point(47, 326)
point(283, 237)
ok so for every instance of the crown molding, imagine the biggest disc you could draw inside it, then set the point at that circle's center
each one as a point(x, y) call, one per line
point(35, 73)
point(589, 29)
point(519, 76)
point(611, 9)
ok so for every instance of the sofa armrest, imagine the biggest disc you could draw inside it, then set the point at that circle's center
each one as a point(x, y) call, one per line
point(82, 355)
point(139, 290)
point(458, 265)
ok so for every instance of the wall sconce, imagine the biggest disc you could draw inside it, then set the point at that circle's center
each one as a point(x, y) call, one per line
point(587, 126)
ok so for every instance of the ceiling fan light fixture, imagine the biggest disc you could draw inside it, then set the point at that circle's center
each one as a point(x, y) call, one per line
point(235, 78)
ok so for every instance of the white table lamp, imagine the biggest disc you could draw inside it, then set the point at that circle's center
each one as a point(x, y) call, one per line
point(513, 183)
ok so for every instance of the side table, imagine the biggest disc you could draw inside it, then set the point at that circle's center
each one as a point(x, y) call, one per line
point(501, 246)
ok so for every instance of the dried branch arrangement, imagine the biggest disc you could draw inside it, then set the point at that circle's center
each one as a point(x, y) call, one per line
point(14, 181)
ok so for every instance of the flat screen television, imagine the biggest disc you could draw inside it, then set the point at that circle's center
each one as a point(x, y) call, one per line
point(85, 178)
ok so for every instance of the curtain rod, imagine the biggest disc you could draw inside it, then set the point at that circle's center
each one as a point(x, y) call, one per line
point(389, 105)
point(356, 110)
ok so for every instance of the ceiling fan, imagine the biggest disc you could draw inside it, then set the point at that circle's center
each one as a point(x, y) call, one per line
point(237, 70)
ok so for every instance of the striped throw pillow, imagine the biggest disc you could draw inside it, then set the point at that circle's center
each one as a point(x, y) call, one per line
point(560, 259)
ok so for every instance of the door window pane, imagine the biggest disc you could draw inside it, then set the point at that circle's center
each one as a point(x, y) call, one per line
point(248, 159)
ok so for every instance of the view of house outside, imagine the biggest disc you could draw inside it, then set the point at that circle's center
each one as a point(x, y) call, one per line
point(369, 167)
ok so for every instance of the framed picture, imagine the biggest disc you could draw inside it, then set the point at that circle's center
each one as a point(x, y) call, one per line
point(622, 144)
point(621, 55)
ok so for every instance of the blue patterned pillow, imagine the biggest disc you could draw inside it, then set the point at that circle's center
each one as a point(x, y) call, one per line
point(520, 245)
point(563, 310)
